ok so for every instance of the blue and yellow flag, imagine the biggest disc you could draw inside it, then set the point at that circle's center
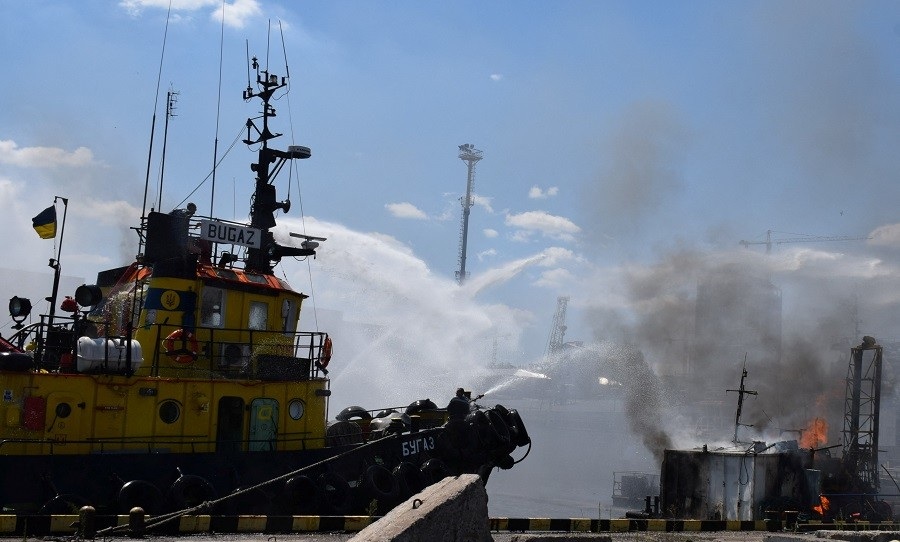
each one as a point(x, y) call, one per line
point(45, 223)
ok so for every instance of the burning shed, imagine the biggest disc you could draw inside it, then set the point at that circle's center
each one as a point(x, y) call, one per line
point(732, 484)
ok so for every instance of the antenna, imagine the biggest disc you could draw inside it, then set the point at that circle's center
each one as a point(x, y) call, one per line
point(471, 156)
point(740, 406)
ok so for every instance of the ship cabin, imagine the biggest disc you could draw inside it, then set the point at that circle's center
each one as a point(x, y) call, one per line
point(184, 351)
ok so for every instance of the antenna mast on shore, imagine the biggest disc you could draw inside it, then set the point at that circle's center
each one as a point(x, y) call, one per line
point(470, 155)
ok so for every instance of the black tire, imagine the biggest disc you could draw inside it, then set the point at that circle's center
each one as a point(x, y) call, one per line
point(190, 491)
point(499, 427)
point(352, 412)
point(522, 438)
point(379, 483)
point(334, 494)
point(434, 470)
point(299, 496)
point(409, 478)
point(140, 493)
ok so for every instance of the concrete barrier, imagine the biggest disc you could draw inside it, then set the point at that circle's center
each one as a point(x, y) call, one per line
point(452, 510)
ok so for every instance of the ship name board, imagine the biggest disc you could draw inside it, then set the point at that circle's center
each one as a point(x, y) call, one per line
point(220, 232)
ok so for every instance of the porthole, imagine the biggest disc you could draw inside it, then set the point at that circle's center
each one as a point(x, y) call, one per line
point(296, 409)
point(169, 411)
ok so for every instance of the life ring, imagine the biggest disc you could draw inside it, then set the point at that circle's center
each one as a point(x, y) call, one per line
point(326, 352)
point(181, 346)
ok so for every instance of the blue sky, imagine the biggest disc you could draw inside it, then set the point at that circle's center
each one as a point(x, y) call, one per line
point(627, 146)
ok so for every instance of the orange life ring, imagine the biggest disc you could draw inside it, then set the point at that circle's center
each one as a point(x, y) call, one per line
point(181, 346)
point(326, 353)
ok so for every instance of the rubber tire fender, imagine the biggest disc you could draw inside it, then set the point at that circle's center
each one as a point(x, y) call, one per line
point(299, 496)
point(380, 484)
point(409, 478)
point(190, 490)
point(522, 437)
point(434, 470)
point(499, 427)
point(334, 494)
point(139, 493)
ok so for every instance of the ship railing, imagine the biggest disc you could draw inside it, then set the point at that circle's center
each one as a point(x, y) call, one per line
point(240, 353)
point(168, 444)
point(54, 344)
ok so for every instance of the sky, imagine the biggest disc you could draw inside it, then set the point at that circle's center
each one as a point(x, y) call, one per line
point(628, 148)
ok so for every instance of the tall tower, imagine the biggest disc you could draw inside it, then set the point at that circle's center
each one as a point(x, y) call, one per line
point(470, 155)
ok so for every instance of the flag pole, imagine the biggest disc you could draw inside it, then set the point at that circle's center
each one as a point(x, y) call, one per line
point(54, 263)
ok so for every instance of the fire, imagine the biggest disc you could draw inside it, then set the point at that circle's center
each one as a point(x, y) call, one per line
point(822, 508)
point(816, 433)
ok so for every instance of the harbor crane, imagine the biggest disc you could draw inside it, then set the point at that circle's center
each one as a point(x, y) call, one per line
point(798, 238)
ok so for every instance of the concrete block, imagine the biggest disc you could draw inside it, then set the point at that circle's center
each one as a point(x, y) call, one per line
point(452, 510)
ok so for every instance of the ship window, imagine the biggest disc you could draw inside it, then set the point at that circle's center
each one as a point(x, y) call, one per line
point(169, 411)
point(259, 279)
point(211, 302)
point(288, 316)
point(226, 274)
point(259, 315)
point(296, 409)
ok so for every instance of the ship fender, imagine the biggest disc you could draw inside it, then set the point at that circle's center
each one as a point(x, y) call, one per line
point(353, 412)
point(409, 478)
point(139, 493)
point(299, 495)
point(190, 490)
point(434, 470)
point(334, 494)
point(458, 440)
point(522, 437)
point(491, 428)
point(380, 485)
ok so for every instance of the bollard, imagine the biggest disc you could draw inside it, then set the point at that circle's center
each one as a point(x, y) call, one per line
point(87, 522)
point(136, 522)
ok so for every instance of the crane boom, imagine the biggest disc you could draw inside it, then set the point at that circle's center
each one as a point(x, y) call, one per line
point(799, 239)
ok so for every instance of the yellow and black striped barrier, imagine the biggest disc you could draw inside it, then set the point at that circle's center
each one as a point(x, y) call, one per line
point(42, 525)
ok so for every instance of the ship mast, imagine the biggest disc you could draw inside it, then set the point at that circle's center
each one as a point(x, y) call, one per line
point(264, 204)
point(740, 405)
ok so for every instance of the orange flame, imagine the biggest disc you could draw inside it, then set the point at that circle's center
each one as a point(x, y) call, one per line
point(816, 433)
point(822, 508)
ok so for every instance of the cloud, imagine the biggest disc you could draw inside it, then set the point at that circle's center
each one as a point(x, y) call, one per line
point(554, 278)
point(405, 210)
point(490, 233)
point(483, 202)
point(43, 157)
point(537, 193)
point(887, 236)
point(237, 13)
point(548, 225)
point(484, 254)
point(496, 76)
point(555, 255)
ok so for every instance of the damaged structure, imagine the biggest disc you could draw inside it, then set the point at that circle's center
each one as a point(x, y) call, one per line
point(751, 481)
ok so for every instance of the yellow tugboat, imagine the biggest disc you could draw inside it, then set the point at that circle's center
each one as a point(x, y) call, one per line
point(183, 379)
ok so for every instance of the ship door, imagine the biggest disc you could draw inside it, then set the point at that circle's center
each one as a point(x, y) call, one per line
point(64, 420)
point(230, 424)
point(263, 425)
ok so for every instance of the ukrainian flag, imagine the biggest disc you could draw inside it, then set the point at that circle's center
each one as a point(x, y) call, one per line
point(45, 223)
